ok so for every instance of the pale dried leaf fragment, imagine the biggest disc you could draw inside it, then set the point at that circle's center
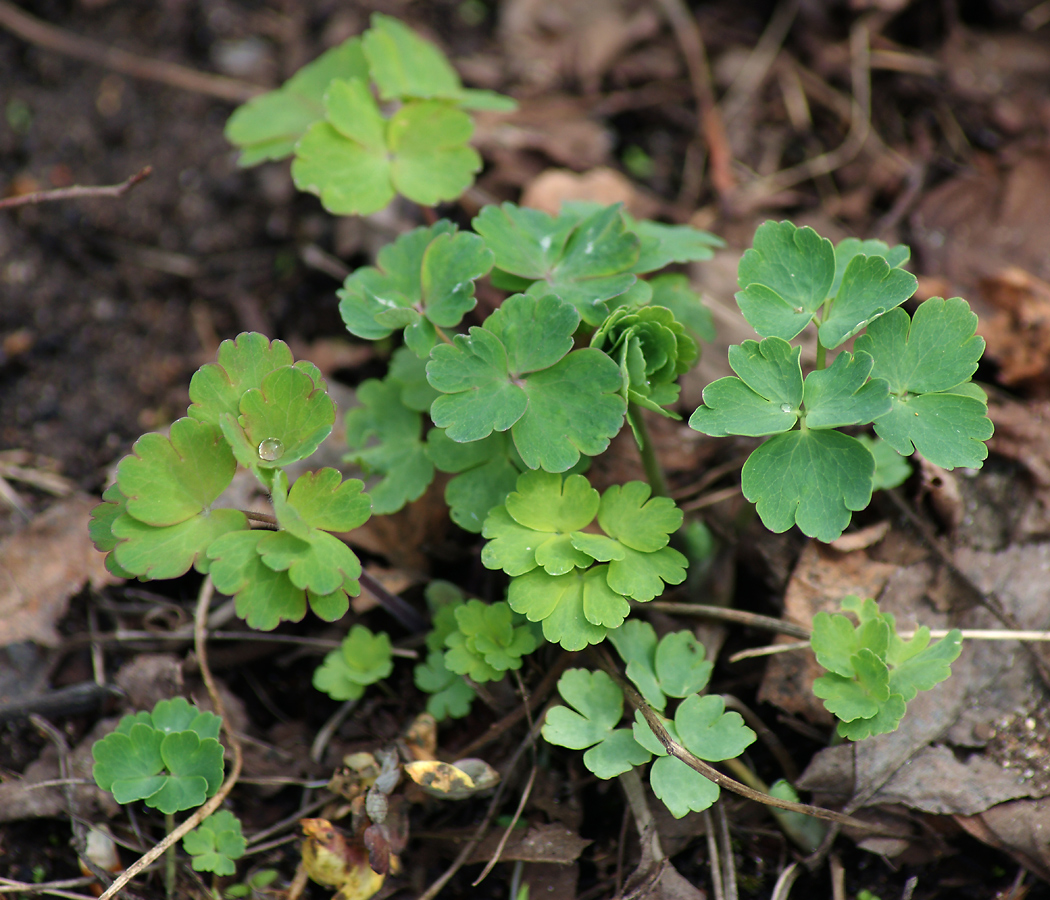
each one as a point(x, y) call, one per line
point(42, 566)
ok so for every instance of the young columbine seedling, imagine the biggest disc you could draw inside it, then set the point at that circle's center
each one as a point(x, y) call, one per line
point(911, 378)
point(450, 695)
point(216, 843)
point(486, 644)
point(170, 759)
point(700, 724)
point(575, 582)
point(873, 672)
point(362, 659)
point(346, 149)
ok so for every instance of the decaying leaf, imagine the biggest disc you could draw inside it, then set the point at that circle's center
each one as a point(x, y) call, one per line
point(42, 566)
point(332, 860)
point(421, 737)
point(452, 781)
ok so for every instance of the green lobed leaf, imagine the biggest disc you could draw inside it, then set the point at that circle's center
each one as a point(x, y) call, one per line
point(662, 244)
point(400, 455)
point(846, 249)
point(168, 480)
point(196, 767)
point(584, 262)
point(680, 664)
point(409, 372)
point(814, 478)
point(450, 695)
point(513, 373)
point(575, 608)
point(926, 360)
point(129, 764)
point(486, 643)
point(177, 714)
point(597, 707)
point(321, 500)
point(926, 668)
point(681, 787)
point(891, 469)
point(267, 126)
point(241, 365)
point(168, 552)
point(356, 160)
point(785, 277)
point(280, 422)
point(635, 641)
point(362, 658)
point(886, 720)
point(553, 503)
point(868, 288)
point(424, 279)
point(628, 514)
point(216, 843)
point(100, 528)
point(842, 394)
point(764, 399)
point(708, 731)
point(262, 597)
point(405, 65)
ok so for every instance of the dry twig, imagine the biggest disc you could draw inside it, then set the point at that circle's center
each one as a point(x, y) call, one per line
point(34, 31)
point(76, 192)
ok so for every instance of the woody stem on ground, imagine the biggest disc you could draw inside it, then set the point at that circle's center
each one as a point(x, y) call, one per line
point(653, 473)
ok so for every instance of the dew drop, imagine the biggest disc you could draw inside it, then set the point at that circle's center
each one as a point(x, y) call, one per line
point(784, 407)
point(270, 449)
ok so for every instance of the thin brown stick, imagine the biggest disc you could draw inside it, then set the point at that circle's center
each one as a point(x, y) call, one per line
point(200, 643)
point(712, 129)
point(490, 865)
point(34, 31)
point(76, 192)
point(754, 620)
point(676, 750)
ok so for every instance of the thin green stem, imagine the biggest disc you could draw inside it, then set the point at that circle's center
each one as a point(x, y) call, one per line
point(822, 355)
point(653, 473)
point(169, 858)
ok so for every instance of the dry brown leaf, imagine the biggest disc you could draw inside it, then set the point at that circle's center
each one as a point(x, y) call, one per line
point(1018, 333)
point(552, 188)
point(44, 565)
point(551, 843)
point(821, 579)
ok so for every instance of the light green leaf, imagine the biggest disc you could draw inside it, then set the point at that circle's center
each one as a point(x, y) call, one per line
point(708, 731)
point(891, 469)
point(628, 514)
point(513, 373)
point(167, 480)
point(846, 249)
point(362, 658)
point(574, 608)
point(281, 422)
point(129, 764)
point(597, 707)
point(488, 471)
point(886, 720)
point(680, 664)
point(450, 695)
point(216, 843)
point(927, 668)
point(168, 552)
point(674, 292)
point(635, 641)
point(262, 597)
point(584, 262)
point(765, 399)
point(662, 244)
point(785, 277)
point(405, 65)
point(399, 456)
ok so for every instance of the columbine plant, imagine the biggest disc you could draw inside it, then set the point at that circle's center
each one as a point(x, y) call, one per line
point(910, 376)
point(514, 403)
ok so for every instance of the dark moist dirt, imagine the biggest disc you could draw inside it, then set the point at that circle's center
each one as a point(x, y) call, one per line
point(108, 306)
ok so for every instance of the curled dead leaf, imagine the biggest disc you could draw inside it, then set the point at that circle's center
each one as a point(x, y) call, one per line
point(452, 781)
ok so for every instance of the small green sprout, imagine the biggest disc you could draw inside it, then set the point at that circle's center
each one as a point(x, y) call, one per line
point(362, 659)
point(216, 843)
point(486, 644)
point(171, 758)
point(873, 672)
point(450, 694)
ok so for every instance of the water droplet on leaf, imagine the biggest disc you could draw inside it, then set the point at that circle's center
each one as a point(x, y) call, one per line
point(784, 407)
point(270, 449)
